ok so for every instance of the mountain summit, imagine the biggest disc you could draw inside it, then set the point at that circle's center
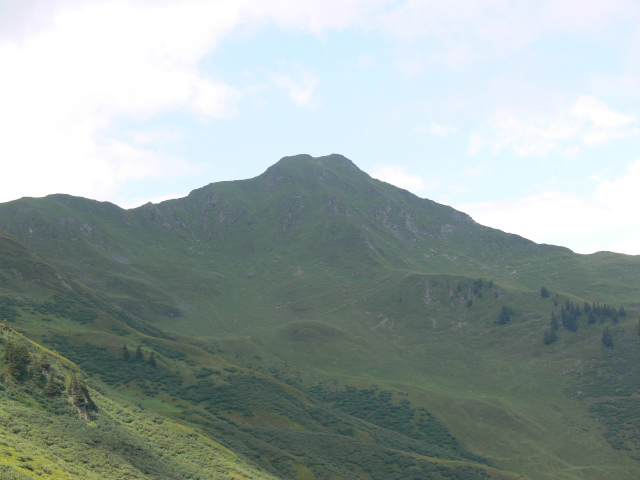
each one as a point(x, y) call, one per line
point(361, 311)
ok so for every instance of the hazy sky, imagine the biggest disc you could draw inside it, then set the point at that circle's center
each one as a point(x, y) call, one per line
point(524, 114)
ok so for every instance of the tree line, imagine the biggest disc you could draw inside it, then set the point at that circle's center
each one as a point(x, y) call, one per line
point(22, 365)
point(570, 314)
point(138, 356)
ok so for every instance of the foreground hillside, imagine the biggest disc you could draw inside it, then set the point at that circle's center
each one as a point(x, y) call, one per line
point(188, 413)
point(57, 423)
point(322, 324)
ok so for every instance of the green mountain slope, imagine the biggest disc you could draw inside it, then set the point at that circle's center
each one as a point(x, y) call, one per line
point(303, 217)
point(48, 430)
point(263, 423)
point(322, 289)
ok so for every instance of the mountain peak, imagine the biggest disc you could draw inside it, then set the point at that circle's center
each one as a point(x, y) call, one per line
point(297, 164)
point(331, 160)
point(314, 274)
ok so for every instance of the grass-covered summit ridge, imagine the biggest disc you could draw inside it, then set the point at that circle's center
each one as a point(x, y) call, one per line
point(303, 214)
point(360, 311)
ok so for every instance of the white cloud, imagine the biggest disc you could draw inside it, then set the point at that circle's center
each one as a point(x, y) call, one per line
point(458, 33)
point(589, 122)
point(301, 84)
point(605, 123)
point(539, 217)
point(548, 216)
point(72, 69)
point(599, 114)
point(398, 176)
point(63, 88)
point(316, 16)
point(441, 130)
point(526, 138)
point(572, 151)
point(629, 244)
point(622, 195)
point(156, 199)
point(214, 99)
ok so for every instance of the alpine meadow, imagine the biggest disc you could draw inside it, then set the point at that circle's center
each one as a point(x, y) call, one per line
point(309, 323)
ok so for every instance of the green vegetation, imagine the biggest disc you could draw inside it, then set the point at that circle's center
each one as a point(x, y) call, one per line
point(311, 322)
point(377, 407)
point(505, 315)
point(550, 335)
point(17, 358)
point(607, 339)
point(609, 384)
point(623, 422)
point(51, 389)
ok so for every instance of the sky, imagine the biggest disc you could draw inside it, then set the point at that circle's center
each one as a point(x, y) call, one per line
point(523, 114)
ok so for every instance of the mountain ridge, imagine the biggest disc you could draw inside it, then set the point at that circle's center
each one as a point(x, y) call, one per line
point(316, 275)
point(242, 216)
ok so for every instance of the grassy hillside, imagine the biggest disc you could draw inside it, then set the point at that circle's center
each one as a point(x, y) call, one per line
point(47, 431)
point(243, 420)
point(312, 318)
point(233, 247)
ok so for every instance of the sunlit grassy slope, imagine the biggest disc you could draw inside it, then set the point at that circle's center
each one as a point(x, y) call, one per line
point(314, 308)
point(46, 434)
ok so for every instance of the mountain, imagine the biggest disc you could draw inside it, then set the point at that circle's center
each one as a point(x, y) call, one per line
point(313, 311)
point(261, 422)
point(47, 429)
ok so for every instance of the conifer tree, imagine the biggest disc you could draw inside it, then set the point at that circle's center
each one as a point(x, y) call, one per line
point(5, 327)
point(152, 360)
point(550, 335)
point(544, 293)
point(43, 362)
point(17, 357)
point(72, 382)
point(51, 388)
point(554, 321)
point(569, 318)
point(505, 315)
point(125, 353)
point(75, 390)
point(139, 355)
point(607, 339)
